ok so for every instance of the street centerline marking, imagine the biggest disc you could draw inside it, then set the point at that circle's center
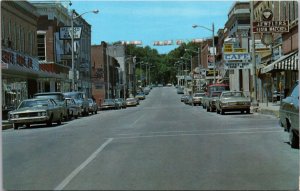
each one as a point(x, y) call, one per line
point(197, 134)
point(205, 130)
point(67, 180)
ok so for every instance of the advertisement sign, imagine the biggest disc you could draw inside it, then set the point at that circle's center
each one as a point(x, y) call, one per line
point(240, 50)
point(271, 26)
point(237, 56)
point(228, 48)
point(163, 43)
point(237, 65)
point(66, 32)
point(210, 73)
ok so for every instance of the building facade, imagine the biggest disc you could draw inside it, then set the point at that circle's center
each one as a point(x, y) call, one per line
point(19, 64)
point(279, 70)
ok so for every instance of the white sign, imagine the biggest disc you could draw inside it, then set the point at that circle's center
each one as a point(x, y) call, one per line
point(237, 56)
point(66, 32)
point(237, 65)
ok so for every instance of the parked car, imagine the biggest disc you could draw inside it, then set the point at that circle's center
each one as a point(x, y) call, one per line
point(289, 115)
point(121, 102)
point(147, 90)
point(141, 96)
point(93, 107)
point(58, 97)
point(197, 98)
point(36, 111)
point(81, 100)
point(108, 104)
point(189, 100)
point(72, 108)
point(233, 101)
point(211, 101)
point(180, 90)
point(183, 98)
point(131, 102)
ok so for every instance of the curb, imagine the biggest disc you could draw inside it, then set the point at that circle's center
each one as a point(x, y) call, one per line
point(6, 126)
point(269, 112)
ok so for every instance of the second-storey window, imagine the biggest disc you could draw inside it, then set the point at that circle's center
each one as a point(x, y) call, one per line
point(41, 46)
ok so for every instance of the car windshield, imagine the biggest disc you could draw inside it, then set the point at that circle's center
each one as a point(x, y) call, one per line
point(199, 94)
point(233, 94)
point(74, 95)
point(51, 96)
point(33, 103)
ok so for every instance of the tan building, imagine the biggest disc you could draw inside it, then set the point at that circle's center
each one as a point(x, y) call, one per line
point(19, 63)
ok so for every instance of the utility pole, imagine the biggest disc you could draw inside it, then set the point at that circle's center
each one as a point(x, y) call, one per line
point(254, 88)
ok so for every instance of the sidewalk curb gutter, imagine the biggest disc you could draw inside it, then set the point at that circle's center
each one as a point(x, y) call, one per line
point(6, 125)
point(265, 111)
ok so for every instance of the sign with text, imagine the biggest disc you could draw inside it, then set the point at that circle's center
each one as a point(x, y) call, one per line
point(237, 65)
point(228, 48)
point(238, 50)
point(271, 26)
point(211, 73)
point(66, 32)
point(237, 56)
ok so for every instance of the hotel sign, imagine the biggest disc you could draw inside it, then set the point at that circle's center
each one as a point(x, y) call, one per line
point(65, 33)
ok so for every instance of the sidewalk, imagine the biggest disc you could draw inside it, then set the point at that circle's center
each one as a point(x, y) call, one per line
point(269, 109)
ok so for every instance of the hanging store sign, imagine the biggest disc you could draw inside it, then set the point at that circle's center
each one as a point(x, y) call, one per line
point(210, 73)
point(228, 48)
point(237, 65)
point(240, 50)
point(271, 26)
point(65, 33)
point(237, 56)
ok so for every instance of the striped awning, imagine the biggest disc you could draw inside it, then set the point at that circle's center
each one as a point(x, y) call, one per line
point(287, 62)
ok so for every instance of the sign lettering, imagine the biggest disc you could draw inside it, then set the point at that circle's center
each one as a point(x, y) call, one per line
point(237, 56)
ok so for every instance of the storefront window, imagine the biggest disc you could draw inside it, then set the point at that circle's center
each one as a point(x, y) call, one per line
point(13, 92)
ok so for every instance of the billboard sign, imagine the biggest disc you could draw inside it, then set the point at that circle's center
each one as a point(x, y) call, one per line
point(66, 32)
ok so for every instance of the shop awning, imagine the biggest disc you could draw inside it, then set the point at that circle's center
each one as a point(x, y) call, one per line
point(287, 62)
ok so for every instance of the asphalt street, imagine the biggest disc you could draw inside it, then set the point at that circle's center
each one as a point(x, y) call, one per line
point(160, 144)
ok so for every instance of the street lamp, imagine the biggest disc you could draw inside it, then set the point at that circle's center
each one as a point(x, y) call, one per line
point(213, 41)
point(73, 17)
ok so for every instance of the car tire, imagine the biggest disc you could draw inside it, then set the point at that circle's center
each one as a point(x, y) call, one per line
point(76, 116)
point(294, 140)
point(49, 122)
point(60, 119)
point(222, 112)
point(218, 111)
point(96, 112)
point(27, 125)
point(207, 109)
point(248, 111)
point(16, 126)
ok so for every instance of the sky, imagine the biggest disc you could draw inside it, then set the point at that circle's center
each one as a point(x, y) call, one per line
point(150, 21)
